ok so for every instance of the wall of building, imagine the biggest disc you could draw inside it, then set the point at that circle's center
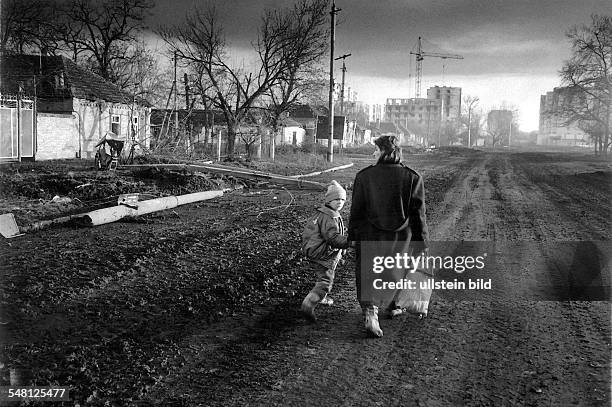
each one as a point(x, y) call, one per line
point(99, 118)
point(58, 136)
point(553, 129)
point(286, 136)
point(310, 125)
point(377, 113)
point(450, 100)
point(412, 111)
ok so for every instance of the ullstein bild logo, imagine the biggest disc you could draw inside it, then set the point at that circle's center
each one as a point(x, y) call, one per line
point(431, 284)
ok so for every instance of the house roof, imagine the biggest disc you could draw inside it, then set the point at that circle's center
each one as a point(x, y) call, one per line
point(289, 122)
point(197, 116)
point(307, 111)
point(63, 78)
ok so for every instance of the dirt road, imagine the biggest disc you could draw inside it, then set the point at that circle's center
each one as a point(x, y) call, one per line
point(199, 306)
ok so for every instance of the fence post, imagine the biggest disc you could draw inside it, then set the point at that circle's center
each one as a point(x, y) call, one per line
point(19, 124)
point(272, 144)
point(219, 146)
point(259, 140)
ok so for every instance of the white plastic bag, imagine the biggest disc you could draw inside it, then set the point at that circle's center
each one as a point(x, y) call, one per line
point(416, 300)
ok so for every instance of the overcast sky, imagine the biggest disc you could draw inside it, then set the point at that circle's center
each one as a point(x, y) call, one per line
point(512, 49)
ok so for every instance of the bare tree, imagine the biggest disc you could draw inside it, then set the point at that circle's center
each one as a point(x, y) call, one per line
point(301, 80)
point(501, 124)
point(28, 26)
point(141, 73)
point(470, 120)
point(295, 89)
point(204, 96)
point(588, 75)
point(104, 33)
point(449, 131)
point(288, 39)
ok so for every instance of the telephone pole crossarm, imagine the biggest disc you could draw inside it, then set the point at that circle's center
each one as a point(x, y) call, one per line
point(343, 57)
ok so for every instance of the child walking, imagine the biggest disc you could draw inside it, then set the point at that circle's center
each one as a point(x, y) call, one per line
point(323, 241)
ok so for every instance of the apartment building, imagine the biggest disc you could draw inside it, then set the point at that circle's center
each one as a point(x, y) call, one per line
point(412, 111)
point(450, 101)
point(553, 128)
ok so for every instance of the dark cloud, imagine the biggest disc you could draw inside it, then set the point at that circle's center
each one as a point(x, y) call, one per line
point(497, 38)
point(492, 35)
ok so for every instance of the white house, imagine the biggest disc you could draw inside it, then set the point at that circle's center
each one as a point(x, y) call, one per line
point(74, 107)
point(291, 132)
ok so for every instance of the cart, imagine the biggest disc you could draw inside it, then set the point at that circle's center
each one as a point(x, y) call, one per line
point(108, 160)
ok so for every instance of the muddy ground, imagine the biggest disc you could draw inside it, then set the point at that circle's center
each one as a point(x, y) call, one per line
point(199, 305)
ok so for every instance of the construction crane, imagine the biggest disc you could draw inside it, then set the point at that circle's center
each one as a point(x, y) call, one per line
point(420, 55)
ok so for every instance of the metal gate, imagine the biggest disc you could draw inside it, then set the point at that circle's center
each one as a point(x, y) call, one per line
point(17, 128)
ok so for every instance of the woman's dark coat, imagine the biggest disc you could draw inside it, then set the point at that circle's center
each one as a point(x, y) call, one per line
point(388, 205)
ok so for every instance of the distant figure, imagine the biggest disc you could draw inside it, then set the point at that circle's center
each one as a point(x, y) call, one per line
point(388, 205)
point(323, 241)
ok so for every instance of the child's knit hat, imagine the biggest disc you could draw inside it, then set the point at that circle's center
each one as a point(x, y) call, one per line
point(334, 191)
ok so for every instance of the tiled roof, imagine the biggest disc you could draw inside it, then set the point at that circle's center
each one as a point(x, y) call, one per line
point(77, 82)
point(197, 116)
point(307, 111)
point(289, 122)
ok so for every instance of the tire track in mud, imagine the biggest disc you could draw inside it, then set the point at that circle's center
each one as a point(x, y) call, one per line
point(522, 362)
point(498, 351)
point(465, 212)
point(333, 359)
point(583, 206)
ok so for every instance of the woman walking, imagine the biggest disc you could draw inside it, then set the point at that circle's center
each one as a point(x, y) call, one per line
point(388, 205)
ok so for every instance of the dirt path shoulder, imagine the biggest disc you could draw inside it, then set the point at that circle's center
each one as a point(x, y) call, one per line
point(199, 305)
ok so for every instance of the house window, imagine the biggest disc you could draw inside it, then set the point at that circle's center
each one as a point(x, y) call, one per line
point(135, 127)
point(116, 124)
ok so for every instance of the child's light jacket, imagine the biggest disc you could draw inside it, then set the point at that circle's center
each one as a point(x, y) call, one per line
point(324, 236)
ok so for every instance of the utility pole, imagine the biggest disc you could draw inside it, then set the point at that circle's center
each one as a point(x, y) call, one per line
point(187, 118)
point(330, 138)
point(343, 57)
point(429, 107)
point(510, 131)
point(440, 122)
point(176, 126)
point(186, 91)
